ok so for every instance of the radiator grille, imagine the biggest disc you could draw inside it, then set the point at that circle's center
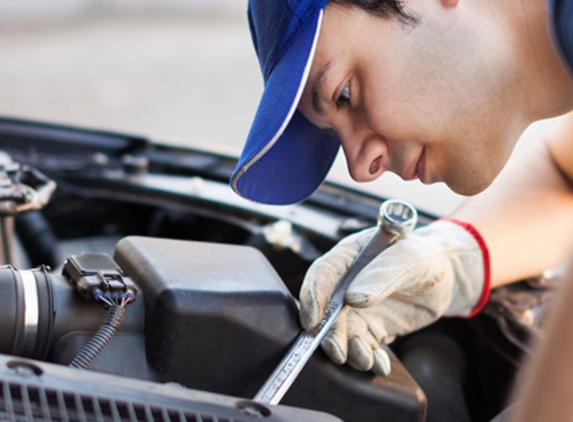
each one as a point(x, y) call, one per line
point(24, 403)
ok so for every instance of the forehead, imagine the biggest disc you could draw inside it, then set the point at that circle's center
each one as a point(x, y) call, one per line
point(340, 43)
point(346, 32)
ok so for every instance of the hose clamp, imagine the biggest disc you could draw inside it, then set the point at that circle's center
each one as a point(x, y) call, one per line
point(31, 312)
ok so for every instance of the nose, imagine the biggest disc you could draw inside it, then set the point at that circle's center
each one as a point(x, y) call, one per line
point(365, 150)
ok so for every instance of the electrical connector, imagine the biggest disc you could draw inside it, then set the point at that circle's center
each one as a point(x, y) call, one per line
point(97, 277)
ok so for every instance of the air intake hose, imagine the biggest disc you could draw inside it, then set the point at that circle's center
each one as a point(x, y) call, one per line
point(26, 311)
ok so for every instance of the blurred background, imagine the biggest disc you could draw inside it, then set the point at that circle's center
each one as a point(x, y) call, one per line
point(176, 71)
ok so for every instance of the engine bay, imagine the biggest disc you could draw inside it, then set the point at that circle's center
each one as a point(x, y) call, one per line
point(214, 281)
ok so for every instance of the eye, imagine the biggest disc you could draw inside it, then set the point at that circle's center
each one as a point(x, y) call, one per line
point(344, 96)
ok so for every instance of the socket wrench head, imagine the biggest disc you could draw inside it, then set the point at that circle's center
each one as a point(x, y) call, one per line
point(397, 217)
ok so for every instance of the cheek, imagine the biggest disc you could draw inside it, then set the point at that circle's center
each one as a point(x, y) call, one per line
point(399, 106)
point(470, 165)
point(392, 110)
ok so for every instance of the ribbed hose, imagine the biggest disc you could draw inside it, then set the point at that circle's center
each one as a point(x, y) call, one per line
point(90, 351)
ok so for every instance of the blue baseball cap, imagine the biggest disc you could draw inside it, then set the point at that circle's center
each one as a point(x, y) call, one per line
point(285, 157)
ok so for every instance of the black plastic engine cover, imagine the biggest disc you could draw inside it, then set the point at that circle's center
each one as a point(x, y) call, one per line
point(219, 318)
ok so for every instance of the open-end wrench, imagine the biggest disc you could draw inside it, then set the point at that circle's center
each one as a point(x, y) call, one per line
point(396, 218)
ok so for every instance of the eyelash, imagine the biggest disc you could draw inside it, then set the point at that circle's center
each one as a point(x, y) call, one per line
point(343, 99)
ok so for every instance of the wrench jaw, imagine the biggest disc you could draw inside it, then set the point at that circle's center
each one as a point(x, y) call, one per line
point(397, 217)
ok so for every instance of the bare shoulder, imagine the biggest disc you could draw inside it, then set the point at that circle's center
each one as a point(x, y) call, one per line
point(560, 142)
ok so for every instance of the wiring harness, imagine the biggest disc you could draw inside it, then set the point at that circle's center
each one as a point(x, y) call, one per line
point(98, 278)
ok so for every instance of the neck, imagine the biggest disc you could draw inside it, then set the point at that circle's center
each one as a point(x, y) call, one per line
point(549, 83)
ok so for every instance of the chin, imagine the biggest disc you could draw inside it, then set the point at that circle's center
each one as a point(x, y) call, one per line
point(471, 187)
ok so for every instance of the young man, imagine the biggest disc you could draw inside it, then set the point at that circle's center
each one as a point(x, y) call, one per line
point(438, 90)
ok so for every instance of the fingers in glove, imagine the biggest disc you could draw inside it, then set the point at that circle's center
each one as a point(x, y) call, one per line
point(323, 276)
point(316, 290)
point(382, 365)
point(364, 352)
point(335, 344)
point(360, 355)
point(351, 340)
point(381, 319)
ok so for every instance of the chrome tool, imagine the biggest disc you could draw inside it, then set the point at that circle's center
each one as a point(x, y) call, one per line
point(396, 218)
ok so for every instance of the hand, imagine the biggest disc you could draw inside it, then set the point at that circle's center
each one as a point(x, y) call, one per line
point(440, 269)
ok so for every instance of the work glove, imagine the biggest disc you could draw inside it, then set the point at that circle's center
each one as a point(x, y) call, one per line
point(440, 269)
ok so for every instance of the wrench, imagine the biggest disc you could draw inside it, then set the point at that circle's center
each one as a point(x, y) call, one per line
point(396, 218)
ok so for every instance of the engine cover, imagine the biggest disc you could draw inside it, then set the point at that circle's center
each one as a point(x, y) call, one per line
point(219, 318)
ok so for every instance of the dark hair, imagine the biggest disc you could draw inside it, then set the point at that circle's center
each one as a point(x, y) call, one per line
point(384, 8)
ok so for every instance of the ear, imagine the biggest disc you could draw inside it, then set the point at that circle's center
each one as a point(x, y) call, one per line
point(450, 3)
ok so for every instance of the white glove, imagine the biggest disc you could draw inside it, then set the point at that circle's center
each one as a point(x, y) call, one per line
point(440, 269)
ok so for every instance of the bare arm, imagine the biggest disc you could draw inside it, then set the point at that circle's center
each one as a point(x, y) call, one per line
point(544, 388)
point(526, 216)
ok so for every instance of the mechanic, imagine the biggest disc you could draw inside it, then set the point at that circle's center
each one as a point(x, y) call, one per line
point(433, 90)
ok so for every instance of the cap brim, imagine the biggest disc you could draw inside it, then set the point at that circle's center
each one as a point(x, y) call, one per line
point(285, 158)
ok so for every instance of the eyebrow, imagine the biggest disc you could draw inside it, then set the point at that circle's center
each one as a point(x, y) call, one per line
point(317, 87)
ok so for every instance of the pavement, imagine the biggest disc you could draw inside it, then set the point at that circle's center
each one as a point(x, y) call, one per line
point(183, 73)
point(176, 71)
